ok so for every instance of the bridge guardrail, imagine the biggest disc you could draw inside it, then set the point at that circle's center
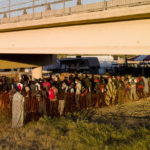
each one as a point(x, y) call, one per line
point(123, 3)
point(99, 6)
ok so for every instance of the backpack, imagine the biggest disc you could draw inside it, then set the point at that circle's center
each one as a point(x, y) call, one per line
point(51, 94)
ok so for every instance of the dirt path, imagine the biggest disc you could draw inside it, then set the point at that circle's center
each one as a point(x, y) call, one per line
point(131, 114)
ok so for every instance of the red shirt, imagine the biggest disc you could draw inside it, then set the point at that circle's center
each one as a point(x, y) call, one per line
point(46, 84)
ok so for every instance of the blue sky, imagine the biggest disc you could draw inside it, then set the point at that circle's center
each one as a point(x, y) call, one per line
point(71, 3)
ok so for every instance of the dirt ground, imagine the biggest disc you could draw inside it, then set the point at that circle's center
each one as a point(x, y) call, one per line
point(131, 114)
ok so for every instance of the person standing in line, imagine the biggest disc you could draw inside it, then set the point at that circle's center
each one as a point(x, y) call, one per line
point(63, 96)
point(45, 101)
point(53, 92)
point(110, 92)
point(127, 89)
point(61, 102)
point(133, 95)
point(121, 88)
point(17, 109)
point(88, 83)
point(69, 97)
point(78, 93)
point(39, 102)
point(102, 92)
point(97, 93)
point(140, 87)
point(146, 87)
point(84, 91)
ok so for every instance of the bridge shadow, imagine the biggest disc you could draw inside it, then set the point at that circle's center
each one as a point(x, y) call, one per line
point(32, 59)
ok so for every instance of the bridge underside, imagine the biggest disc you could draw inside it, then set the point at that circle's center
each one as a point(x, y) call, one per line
point(124, 37)
point(8, 61)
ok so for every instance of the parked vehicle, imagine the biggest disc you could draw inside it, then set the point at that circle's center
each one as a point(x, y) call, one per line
point(78, 64)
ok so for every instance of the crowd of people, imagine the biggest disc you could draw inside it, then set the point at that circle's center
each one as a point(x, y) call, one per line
point(56, 97)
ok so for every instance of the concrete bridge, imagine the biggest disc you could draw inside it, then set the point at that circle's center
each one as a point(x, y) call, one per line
point(108, 27)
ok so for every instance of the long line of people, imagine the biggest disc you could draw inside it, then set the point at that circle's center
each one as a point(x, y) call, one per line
point(55, 97)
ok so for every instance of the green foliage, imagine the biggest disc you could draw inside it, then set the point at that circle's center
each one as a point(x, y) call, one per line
point(74, 132)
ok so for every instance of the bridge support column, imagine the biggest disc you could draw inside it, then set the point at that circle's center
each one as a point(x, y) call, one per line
point(37, 73)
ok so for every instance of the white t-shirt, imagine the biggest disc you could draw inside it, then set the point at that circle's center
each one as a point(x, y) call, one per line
point(38, 85)
point(78, 88)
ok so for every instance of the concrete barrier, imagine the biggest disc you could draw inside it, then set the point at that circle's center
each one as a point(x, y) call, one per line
point(26, 17)
point(60, 12)
point(37, 16)
point(123, 3)
point(56, 13)
point(93, 7)
point(14, 19)
point(4, 20)
point(88, 8)
point(67, 11)
point(46, 14)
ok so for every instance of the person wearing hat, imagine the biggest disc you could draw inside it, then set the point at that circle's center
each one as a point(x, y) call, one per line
point(17, 109)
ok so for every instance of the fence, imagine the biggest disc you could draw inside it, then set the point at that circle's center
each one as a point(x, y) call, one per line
point(32, 104)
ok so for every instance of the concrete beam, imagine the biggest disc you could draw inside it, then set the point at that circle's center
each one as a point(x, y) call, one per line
point(126, 37)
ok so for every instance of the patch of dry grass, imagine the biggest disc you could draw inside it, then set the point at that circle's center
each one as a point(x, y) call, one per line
point(74, 132)
point(78, 131)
